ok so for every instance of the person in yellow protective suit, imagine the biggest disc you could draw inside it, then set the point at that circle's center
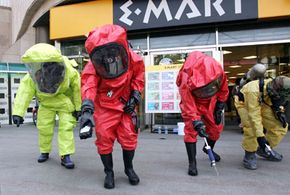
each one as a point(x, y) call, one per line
point(56, 84)
point(256, 72)
point(264, 103)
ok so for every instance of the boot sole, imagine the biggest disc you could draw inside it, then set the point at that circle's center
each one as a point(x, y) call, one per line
point(269, 158)
point(109, 187)
point(41, 161)
point(68, 166)
point(192, 174)
point(249, 167)
point(133, 182)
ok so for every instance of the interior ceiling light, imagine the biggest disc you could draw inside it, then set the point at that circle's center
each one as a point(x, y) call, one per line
point(235, 66)
point(226, 52)
point(232, 77)
point(250, 57)
point(227, 72)
point(271, 70)
point(282, 64)
point(241, 74)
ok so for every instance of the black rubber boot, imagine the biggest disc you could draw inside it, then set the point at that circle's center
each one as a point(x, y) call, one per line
point(211, 143)
point(67, 162)
point(269, 155)
point(250, 160)
point(107, 160)
point(43, 157)
point(191, 153)
point(128, 156)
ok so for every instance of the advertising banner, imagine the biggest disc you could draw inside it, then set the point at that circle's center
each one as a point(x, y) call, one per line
point(162, 94)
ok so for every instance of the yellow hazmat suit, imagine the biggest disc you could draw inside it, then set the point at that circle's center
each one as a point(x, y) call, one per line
point(62, 101)
point(256, 115)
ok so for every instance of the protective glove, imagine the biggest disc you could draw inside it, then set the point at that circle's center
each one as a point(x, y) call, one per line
point(281, 116)
point(77, 114)
point(200, 128)
point(86, 125)
point(279, 111)
point(17, 120)
point(134, 100)
point(86, 120)
point(218, 112)
point(262, 142)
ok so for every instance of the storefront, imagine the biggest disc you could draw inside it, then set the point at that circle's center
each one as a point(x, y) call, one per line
point(237, 33)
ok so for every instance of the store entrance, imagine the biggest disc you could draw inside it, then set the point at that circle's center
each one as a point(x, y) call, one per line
point(239, 59)
point(162, 97)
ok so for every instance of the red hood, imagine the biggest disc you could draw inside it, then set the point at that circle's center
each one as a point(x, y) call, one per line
point(106, 34)
point(201, 69)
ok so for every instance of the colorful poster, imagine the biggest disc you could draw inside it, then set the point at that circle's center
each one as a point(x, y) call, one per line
point(167, 85)
point(153, 96)
point(168, 106)
point(161, 94)
point(153, 86)
point(168, 95)
point(153, 76)
point(168, 76)
point(153, 106)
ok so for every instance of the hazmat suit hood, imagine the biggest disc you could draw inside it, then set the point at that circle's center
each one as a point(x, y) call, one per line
point(257, 71)
point(279, 88)
point(47, 69)
point(108, 50)
point(205, 74)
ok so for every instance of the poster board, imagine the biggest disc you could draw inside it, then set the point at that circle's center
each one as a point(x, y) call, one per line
point(162, 94)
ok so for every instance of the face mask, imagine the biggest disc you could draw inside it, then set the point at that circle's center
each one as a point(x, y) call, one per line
point(110, 60)
point(48, 75)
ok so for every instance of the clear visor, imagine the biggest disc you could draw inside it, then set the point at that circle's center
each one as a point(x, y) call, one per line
point(47, 75)
point(209, 90)
point(110, 60)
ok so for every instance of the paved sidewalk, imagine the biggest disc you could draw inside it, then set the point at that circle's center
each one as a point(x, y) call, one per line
point(160, 162)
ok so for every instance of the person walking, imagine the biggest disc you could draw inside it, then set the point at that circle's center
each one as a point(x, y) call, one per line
point(111, 84)
point(203, 88)
point(56, 85)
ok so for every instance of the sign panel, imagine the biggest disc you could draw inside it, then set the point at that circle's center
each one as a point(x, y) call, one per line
point(136, 14)
point(162, 94)
point(79, 19)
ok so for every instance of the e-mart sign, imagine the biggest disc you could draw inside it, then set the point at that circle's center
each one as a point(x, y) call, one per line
point(78, 19)
point(136, 14)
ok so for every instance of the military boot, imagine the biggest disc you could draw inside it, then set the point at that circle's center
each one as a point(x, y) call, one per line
point(269, 154)
point(67, 162)
point(191, 154)
point(43, 157)
point(107, 160)
point(250, 160)
point(128, 156)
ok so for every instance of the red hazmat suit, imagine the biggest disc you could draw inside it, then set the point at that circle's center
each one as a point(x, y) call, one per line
point(198, 71)
point(109, 94)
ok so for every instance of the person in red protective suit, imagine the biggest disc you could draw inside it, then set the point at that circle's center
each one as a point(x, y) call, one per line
point(203, 89)
point(111, 86)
